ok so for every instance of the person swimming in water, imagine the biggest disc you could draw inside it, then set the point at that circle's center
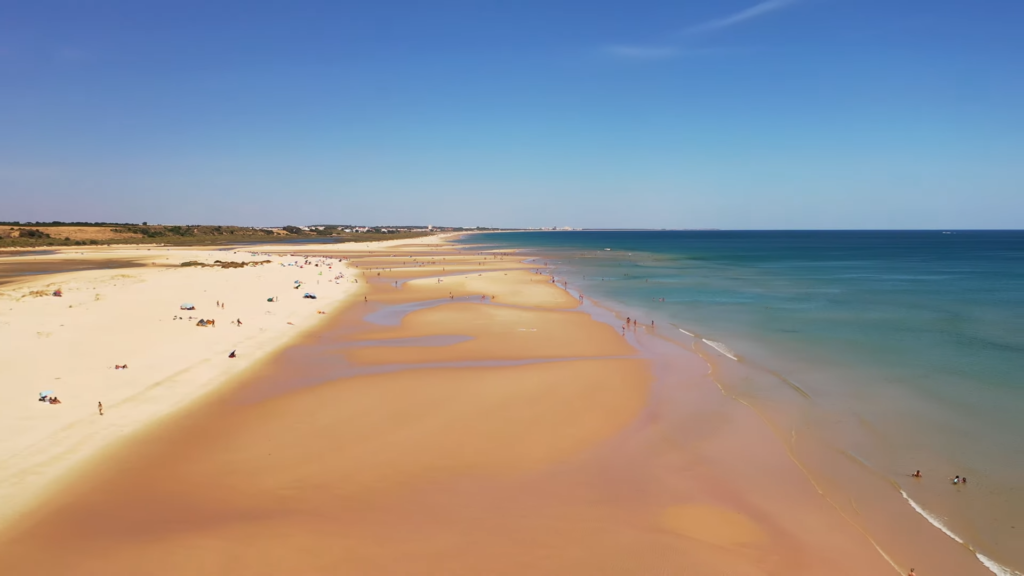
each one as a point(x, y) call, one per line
point(916, 474)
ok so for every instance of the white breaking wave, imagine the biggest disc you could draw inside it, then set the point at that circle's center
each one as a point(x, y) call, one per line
point(996, 568)
point(685, 332)
point(721, 348)
point(930, 517)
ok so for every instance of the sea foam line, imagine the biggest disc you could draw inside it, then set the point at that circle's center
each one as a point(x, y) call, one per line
point(992, 565)
point(995, 567)
point(721, 348)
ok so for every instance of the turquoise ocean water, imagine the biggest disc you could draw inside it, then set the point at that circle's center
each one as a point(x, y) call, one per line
point(901, 350)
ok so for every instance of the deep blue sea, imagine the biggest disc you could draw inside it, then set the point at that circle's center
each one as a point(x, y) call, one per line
point(909, 344)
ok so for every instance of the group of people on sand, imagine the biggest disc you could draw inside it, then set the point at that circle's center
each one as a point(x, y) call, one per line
point(50, 399)
point(120, 366)
point(955, 480)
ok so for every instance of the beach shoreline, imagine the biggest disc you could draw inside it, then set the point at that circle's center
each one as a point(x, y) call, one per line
point(882, 502)
point(117, 307)
point(604, 435)
point(619, 438)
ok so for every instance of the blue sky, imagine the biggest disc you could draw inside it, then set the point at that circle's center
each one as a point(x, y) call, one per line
point(597, 113)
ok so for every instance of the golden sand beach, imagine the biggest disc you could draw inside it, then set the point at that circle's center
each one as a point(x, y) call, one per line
point(118, 307)
point(453, 413)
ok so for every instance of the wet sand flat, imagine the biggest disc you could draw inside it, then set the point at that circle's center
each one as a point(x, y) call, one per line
point(529, 437)
point(15, 268)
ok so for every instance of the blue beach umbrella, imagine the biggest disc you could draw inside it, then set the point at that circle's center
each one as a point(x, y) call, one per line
point(45, 393)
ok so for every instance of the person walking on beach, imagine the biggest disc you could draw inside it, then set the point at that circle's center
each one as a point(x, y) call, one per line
point(99, 405)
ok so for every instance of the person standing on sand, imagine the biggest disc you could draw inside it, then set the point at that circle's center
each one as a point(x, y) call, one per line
point(99, 405)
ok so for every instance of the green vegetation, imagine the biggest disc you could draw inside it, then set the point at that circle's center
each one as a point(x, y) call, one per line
point(32, 233)
point(57, 223)
point(18, 236)
point(223, 264)
point(193, 231)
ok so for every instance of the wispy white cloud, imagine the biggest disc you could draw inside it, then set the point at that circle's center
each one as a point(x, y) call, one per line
point(681, 47)
point(642, 52)
point(756, 11)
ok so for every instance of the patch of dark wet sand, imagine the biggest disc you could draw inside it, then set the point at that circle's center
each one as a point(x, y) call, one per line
point(13, 270)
